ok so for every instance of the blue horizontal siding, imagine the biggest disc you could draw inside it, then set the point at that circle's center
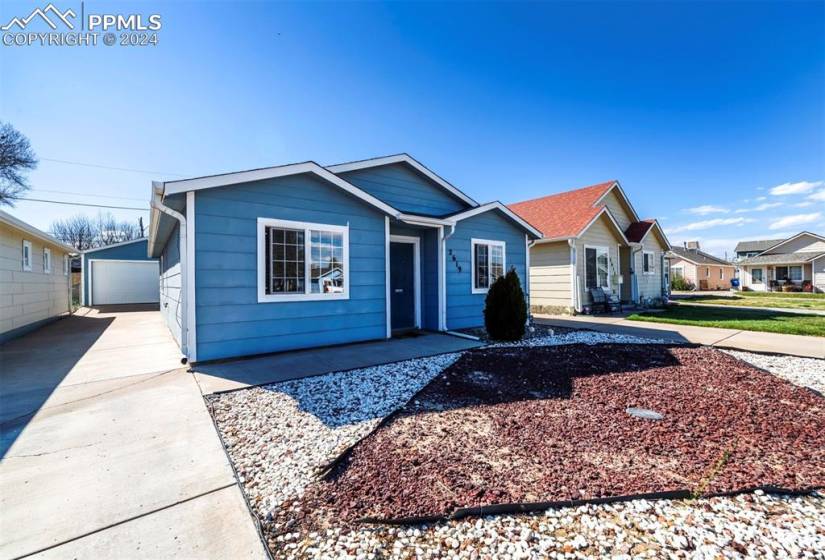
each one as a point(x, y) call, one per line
point(465, 309)
point(405, 189)
point(230, 321)
point(132, 252)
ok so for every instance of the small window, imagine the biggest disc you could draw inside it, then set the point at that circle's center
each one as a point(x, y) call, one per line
point(721, 274)
point(796, 274)
point(27, 255)
point(596, 267)
point(756, 275)
point(47, 260)
point(300, 261)
point(781, 273)
point(488, 263)
point(707, 272)
point(65, 265)
point(648, 262)
point(678, 272)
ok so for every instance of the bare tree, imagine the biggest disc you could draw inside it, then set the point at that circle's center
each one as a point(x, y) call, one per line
point(83, 232)
point(78, 231)
point(16, 157)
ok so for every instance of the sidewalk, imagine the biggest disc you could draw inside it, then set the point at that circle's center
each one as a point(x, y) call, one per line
point(750, 341)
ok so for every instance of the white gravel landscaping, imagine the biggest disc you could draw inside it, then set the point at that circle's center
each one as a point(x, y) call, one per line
point(746, 526)
point(805, 372)
point(278, 436)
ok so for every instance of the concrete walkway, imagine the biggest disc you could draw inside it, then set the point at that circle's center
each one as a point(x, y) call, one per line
point(109, 450)
point(751, 341)
point(242, 373)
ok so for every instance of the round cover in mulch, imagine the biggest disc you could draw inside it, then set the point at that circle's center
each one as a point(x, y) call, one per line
point(548, 424)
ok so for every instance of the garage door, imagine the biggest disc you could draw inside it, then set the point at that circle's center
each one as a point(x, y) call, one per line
point(125, 282)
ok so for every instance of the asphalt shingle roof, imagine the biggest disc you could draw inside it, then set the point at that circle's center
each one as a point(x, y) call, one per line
point(782, 258)
point(756, 245)
point(699, 257)
point(563, 214)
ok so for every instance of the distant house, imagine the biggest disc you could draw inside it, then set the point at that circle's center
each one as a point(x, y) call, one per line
point(35, 287)
point(592, 238)
point(746, 249)
point(300, 255)
point(798, 260)
point(701, 269)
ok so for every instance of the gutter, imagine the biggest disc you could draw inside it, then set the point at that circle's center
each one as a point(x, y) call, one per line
point(157, 204)
point(442, 308)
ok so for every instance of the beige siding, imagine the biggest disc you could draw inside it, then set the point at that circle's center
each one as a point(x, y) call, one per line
point(713, 277)
point(28, 297)
point(600, 234)
point(618, 208)
point(650, 284)
point(803, 244)
point(550, 275)
point(688, 269)
point(818, 267)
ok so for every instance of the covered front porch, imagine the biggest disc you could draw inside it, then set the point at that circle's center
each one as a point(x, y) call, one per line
point(777, 277)
point(413, 278)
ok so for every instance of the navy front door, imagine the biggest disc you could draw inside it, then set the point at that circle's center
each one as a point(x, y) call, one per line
point(402, 286)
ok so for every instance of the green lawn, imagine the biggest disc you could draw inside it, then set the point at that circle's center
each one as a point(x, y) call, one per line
point(743, 319)
point(789, 300)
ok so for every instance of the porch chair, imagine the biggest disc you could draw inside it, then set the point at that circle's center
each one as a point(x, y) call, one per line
point(599, 300)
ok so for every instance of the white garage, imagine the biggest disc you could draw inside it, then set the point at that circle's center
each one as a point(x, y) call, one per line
point(117, 281)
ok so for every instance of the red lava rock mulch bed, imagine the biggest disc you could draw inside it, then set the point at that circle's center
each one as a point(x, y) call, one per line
point(550, 424)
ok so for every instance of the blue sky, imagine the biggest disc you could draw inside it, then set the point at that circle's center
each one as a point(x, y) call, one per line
point(701, 110)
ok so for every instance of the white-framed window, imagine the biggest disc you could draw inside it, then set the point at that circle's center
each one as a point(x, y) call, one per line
point(648, 262)
point(756, 276)
point(489, 263)
point(302, 261)
point(596, 267)
point(47, 260)
point(796, 273)
point(678, 272)
point(65, 265)
point(26, 255)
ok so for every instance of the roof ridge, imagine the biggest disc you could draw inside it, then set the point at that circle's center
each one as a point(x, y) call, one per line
point(593, 186)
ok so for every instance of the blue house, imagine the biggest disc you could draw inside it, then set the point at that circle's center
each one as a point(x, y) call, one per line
point(301, 255)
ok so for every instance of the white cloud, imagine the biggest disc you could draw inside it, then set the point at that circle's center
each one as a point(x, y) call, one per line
point(800, 187)
point(706, 209)
point(761, 198)
point(802, 204)
point(704, 224)
point(819, 196)
point(795, 220)
point(760, 208)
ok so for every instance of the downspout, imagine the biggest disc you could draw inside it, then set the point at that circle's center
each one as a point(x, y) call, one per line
point(634, 286)
point(575, 289)
point(528, 244)
point(157, 204)
point(442, 312)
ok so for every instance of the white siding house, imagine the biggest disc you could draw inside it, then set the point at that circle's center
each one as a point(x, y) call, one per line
point(35, 280)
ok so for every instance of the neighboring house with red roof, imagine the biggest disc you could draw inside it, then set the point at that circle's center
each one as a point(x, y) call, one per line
point(701, 269)
point(592, 238)
point(797, 260)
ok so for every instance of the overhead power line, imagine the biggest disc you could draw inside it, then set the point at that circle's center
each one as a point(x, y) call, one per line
point(96, 195)
point(131, 170)
point(83, 204)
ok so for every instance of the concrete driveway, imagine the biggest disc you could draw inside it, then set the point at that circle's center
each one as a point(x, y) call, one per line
point(108, 449)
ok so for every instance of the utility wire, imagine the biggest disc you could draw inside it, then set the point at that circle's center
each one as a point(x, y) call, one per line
point(89, 195)
point(110, 167)
point(83, 204)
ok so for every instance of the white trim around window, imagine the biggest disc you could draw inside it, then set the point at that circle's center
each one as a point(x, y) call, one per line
point(597, 248)
point(649, 267)
point(47, 260)
point(26, 255)
point(306, 294)
point(489, 244)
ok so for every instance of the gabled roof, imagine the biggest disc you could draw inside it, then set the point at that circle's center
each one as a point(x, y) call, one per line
point(798, 235)
point(782, 258)
point(637, 231)
point(19, 224)
point(698, 257)
point(756, 245)
point(564, 215)
point(141, 239)
point(495, 205)
point(408, 160)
